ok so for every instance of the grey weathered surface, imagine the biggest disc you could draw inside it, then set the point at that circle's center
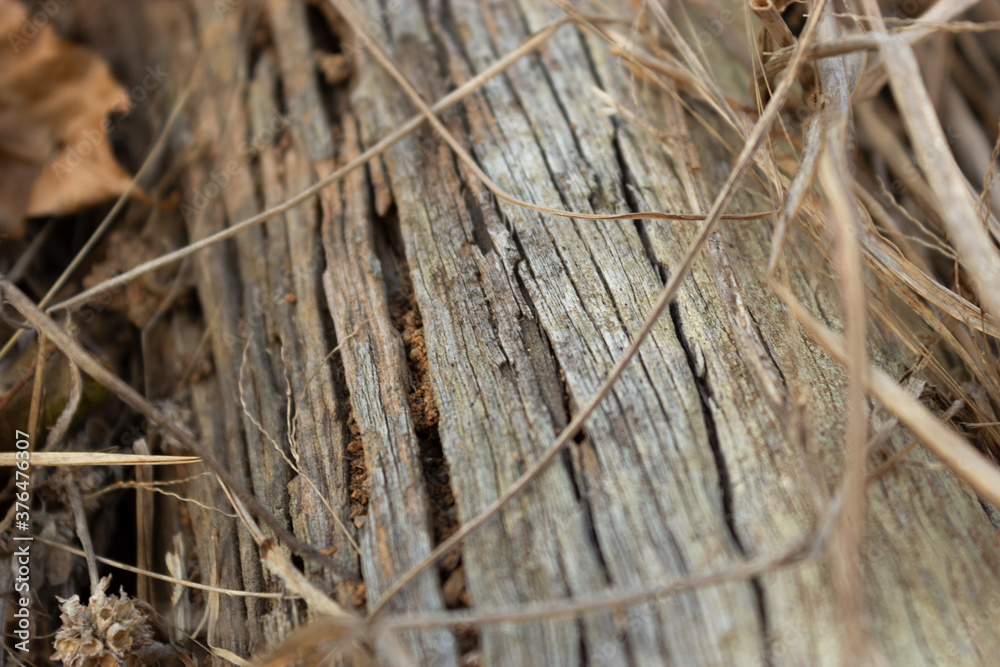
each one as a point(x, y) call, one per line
point(687, 467)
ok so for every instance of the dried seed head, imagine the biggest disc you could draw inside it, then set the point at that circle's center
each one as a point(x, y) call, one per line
point(109, 632)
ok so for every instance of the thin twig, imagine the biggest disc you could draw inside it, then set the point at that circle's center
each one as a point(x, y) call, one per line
point(59, 430)
point(798, 189)
point(92, 367)
point(83, 532)
point(392, 138)
point(903, 452)
point(679, 272)
point(835, 175)
point(771, 19)
point(162, 577)
point(615, 600)
point(952, 449)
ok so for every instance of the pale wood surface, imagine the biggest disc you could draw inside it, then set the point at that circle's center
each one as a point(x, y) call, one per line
point(469, 330)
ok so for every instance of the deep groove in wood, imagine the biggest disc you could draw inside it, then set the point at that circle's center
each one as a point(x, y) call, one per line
point(725, 486)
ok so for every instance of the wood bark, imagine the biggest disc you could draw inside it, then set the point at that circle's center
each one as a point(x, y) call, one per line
point(391, 355)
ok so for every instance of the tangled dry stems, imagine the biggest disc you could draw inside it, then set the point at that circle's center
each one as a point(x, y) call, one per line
point(972, 244)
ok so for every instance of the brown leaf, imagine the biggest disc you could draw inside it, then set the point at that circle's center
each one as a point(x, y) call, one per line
point(55, 157)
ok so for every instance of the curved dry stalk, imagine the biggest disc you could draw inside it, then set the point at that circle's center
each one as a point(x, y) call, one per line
point(59, 429)
point(800, 186)
point(392, 138)
point(281, 566)
point(950, 448)
point(327, 630)
point(946, 181)
point(163, 577)
point(287, 459)
point(616, 600)
point(756, 137)
point(835, 176)
point(92, 367)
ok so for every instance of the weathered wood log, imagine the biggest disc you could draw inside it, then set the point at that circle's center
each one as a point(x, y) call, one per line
point(411, 345)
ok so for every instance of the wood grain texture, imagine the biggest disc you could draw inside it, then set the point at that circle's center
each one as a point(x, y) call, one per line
point(712, 448)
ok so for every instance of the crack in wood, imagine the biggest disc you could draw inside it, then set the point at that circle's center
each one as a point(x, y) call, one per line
point(725, 484)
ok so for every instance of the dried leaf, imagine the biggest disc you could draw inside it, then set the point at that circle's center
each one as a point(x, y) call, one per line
point(55, 97)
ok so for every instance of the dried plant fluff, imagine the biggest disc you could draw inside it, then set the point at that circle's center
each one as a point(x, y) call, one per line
point(111, 630)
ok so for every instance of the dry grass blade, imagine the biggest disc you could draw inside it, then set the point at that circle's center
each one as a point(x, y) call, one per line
point(835, 175)
point(37, 387)
point(948, 185)
point(162, 577)
point(952, 449)
point(92, 367)
point(58, 431)
point(886, 261)
point(281, 566)
point(449, 100)
point(799, 188)
point(757, 135)
point(77, 459)
point(614, 600)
